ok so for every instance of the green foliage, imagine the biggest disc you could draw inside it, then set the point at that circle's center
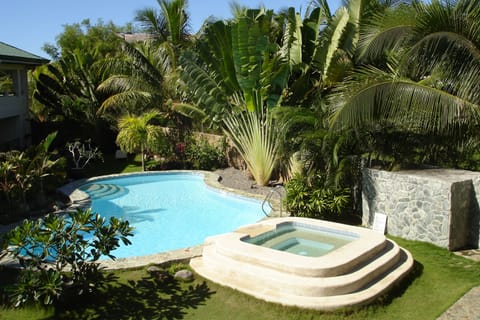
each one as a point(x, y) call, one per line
point(313, 200)
point(425, 74)
point(59, 254)
point(136, 133)
point(257, 138)
point(238, 65)
point(204, 156)
point(101, 37)
point(28, 179)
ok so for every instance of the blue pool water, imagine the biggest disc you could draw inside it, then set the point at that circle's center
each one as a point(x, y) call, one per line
point(169, 210)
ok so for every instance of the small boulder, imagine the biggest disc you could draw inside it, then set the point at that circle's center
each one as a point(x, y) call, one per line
point(184, 275)
point(153, 269)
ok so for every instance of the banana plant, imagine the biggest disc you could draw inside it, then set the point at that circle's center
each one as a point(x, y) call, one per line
point(241, 64)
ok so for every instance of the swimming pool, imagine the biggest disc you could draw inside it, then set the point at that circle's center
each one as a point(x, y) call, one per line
point(169, 210)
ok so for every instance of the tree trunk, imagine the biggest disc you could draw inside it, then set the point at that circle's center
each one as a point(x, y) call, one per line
point(143, 159)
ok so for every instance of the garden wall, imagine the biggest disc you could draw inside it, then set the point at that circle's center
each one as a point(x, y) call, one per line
point(434, 205)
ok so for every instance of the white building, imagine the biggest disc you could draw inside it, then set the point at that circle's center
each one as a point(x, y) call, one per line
point(14, 115)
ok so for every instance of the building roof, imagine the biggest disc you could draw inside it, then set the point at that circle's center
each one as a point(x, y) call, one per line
point(11, 54)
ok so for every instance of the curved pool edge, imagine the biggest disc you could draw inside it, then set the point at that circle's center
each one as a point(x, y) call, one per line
point(80, 199)
point(184, 254)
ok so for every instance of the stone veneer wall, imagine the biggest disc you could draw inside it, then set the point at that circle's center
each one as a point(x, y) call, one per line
point(434, 205)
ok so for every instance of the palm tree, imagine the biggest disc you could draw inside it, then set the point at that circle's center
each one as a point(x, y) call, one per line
point(429, 81)
point(169, 25)
point(169, 29)
point(136, 81)
point(237, 93)
point(147, 77)
point(137, 133)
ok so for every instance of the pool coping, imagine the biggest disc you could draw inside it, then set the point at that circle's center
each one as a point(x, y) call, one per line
point(333, 263)
point(80, 199)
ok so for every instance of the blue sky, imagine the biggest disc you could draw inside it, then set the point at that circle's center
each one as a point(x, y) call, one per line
point(28, 24)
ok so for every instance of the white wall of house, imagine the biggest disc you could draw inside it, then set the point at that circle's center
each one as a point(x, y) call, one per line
point(14, 115)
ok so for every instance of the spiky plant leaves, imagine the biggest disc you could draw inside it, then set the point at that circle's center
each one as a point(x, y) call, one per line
point(257, 138)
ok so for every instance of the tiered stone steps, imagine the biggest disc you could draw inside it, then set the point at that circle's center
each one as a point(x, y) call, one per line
point(104, 191)
point(359, 280)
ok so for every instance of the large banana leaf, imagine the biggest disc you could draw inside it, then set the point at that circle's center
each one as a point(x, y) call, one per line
point(331, 40)
point(216, 52)
point(249, 48)
point(291, 49)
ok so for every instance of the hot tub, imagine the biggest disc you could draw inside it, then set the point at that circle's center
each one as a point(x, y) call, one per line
point(302, 239)
point(304, 262)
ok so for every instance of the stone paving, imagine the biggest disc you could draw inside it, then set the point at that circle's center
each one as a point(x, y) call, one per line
point(468, 306)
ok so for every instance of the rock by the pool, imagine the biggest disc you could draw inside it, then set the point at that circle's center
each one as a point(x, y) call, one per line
point(185, 275)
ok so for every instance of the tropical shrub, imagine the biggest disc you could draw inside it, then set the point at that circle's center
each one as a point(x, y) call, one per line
point(310, 198)
point(204, 156)
point(59, 253)
point(28, 179)
point(137, 133)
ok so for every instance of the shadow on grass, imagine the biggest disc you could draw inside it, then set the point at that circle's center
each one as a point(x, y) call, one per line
point(147, 298)
point(399, 289)
point(110, 165)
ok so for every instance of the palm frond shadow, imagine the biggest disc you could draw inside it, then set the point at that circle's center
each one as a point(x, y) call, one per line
point(148, 298)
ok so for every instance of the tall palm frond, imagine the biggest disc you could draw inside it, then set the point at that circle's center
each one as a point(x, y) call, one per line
point(257, 138)
point(136, 83)
point(152, 23)
point(384, 33)
point(435, 87)
point(411, 105)
point(170, 24)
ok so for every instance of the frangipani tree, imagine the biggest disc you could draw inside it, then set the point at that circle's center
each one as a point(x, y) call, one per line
point(136, 133)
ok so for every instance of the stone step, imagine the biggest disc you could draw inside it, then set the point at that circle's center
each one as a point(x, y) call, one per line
point(105, 191)
point(359, 297)
point(229, 245)
point(301, 285)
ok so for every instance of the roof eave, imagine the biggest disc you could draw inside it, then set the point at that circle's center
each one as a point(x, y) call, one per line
point(25, 61)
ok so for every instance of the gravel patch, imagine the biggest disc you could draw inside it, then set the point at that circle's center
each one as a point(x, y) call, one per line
point(241, 180)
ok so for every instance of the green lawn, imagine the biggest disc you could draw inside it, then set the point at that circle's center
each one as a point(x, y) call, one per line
point(110, 165)
point(438, 280)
